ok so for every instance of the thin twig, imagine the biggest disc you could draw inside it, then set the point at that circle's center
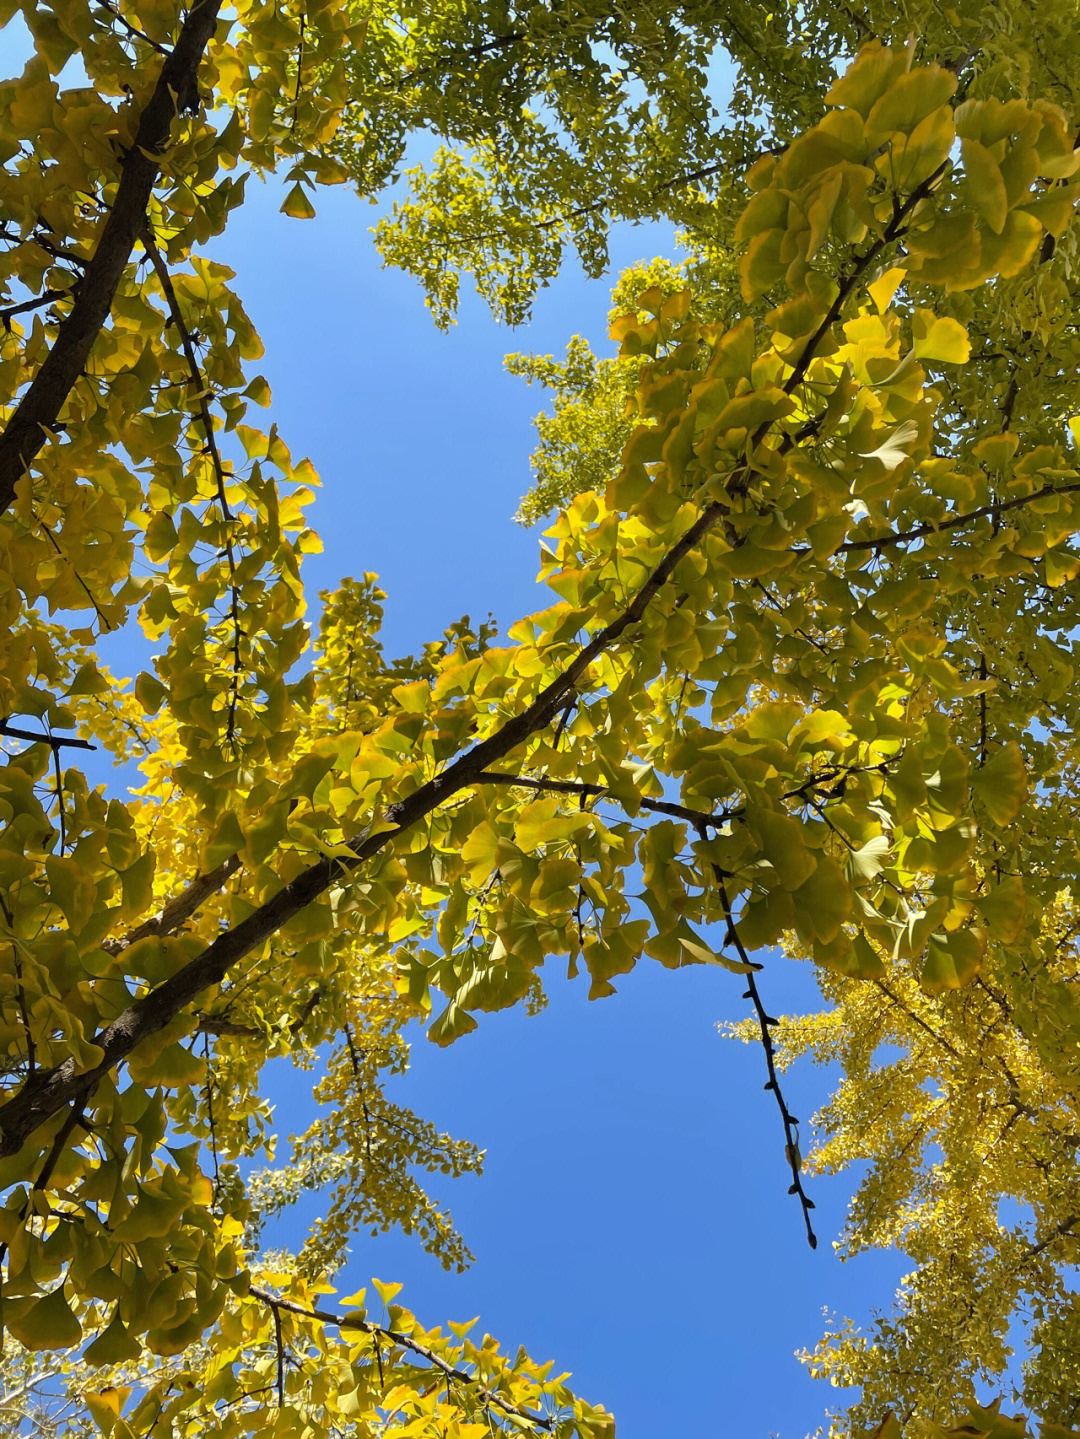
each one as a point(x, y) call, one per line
point(31, 1049)
point(56, 741)
point(210, 1116)
point(404, 1341)
point(47, 297)
point(918, 532)
point(133, 30)
point(199, 391)
point(105, 621)
point(60, 797)
point(765, 1023)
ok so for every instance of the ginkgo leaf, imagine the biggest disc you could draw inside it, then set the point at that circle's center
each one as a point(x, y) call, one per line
point(985, 187)
point(106, 1404)
point(909, 100)
point(781, 840)
point(114, 1345)
point(952, 959)
point(823, 902)
point(297, 205)
point(867, 79)
point(870, 858)
point(1001, 783)
point(48, 1324)
point(882, 289)
point(701, 954)
point(897, 448)
point(1004, 908)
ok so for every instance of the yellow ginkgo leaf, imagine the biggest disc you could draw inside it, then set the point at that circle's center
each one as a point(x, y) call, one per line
point(940, 338)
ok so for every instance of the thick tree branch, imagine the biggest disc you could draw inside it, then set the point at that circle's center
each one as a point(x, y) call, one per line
point(51, 1090)
point(38, 410)
point(62, 1085)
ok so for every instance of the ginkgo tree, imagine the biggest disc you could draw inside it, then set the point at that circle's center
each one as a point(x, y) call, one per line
point(805, 678)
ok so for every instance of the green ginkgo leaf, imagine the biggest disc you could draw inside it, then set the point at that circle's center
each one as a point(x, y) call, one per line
point(48, 1324)
point(114, 1345)
point(1001, 783)
point(297, 205)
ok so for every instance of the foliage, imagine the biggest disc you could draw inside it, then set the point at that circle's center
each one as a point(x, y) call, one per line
point(806, 679)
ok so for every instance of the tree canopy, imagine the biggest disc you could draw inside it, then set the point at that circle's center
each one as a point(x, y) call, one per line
point(805, 684)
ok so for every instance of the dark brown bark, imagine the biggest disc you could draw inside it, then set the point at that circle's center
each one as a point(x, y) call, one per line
point(40, 407)
point(49, 1091)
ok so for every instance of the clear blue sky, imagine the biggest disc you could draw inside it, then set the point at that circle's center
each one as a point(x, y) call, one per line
point(632, 1222)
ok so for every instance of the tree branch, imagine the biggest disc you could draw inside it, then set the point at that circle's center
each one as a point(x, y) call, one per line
point(918, 532)
point(38, 410)
point(50, 1090)
point(47, 297)
point(180, 909)
point(222, 1025)
point(55, 741)
point(62, 1085)
point(695, 817)
point(765, 1023)
point(403, 1341)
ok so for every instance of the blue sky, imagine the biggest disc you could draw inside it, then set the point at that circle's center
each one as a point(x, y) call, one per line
point(632, 1222)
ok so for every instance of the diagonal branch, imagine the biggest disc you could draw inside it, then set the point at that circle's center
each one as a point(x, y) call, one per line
point(51, 1090)
point(180, 908)
point(765, 1024)
point(55, 1088)
point(38, 410)
point(403, 1341)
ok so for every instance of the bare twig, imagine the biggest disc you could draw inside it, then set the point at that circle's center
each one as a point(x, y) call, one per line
point(765, 1024)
